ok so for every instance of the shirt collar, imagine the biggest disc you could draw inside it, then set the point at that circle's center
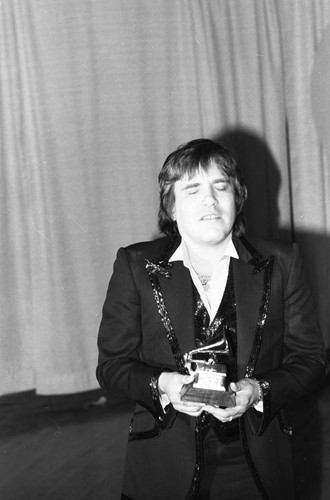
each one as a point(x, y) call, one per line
point(181, 253)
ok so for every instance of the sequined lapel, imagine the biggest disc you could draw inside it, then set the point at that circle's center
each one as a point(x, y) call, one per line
point(172, 290)
point(252, 280)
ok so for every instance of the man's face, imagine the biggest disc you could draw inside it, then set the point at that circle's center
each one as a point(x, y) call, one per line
point(204, 207)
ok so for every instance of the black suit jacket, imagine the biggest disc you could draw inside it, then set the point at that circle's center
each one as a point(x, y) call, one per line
point(148, 324)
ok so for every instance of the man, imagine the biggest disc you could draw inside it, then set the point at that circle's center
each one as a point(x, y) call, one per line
point(201, 282)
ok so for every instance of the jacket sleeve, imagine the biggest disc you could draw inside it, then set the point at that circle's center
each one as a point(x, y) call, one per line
point(303, 366)
point(121, 371)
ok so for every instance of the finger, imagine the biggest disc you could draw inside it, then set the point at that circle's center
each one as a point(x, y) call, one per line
point(186, 404)
point(239, 386)
point(233, 386)
point(224, 414)
point(217, 412)
point(187, 379)
point(192, 411)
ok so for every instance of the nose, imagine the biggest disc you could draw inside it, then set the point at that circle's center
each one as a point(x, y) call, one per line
point(209, 198)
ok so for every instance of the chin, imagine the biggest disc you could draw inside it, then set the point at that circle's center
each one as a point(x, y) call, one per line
point(215, 239)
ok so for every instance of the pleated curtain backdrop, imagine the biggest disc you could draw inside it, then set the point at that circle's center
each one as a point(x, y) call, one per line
point(94, 95)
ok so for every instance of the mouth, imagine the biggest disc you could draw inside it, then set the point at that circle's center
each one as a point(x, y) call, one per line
point(210, 217)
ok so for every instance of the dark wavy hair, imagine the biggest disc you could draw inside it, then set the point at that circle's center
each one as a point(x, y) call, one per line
point(187, 160)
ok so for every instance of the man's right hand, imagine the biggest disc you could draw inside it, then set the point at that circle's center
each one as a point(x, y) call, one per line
point(170, 384)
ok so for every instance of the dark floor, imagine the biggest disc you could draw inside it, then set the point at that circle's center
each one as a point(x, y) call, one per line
point(64, 448)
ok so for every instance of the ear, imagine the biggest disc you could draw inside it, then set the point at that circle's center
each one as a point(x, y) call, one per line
point(173, 214)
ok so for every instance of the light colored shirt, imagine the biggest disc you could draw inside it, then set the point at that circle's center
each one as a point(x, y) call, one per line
point(212, 298)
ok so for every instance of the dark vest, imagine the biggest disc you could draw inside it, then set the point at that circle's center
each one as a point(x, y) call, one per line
point(206, 333)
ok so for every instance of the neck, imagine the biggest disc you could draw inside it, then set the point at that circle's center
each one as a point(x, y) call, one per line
point(204, 258)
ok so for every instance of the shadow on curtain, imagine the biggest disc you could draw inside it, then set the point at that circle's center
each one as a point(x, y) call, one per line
point(263, 179)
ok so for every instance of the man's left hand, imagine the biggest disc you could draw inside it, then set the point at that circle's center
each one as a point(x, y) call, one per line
point(246, 395)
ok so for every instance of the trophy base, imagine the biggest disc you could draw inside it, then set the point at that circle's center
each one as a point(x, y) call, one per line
point(207, 396)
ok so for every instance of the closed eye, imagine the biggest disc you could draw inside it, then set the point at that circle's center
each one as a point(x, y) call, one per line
point(221, 185)
point(192, 188)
